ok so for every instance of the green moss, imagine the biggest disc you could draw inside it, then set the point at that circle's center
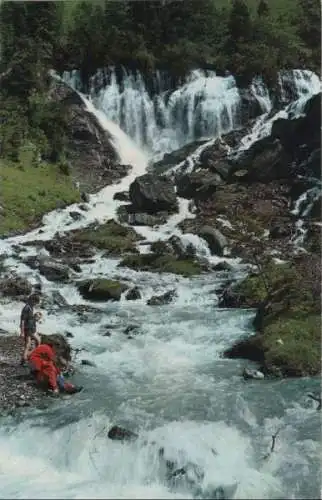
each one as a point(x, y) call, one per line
point(162, 264)
point(102, 289)
point(293, 343)
point(111, 236)
point(253, 289)
point(29, 192)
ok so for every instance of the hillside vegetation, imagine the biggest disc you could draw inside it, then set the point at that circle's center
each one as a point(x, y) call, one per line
point(244, 37)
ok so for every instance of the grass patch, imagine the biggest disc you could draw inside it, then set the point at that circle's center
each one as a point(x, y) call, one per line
point(300, 350)
point(162, 264)
point(111, 236)
point(27, 193)
point(252, 289)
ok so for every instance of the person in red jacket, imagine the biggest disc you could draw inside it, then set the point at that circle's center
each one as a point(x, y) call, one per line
point(44, 364)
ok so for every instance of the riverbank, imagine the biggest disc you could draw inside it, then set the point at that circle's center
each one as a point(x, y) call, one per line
point(17, 386)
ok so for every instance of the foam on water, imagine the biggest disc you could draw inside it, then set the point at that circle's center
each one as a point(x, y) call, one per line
point(305, 85)
point(168, 382)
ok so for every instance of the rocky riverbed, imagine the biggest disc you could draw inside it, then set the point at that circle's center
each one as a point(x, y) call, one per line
point(17, 386)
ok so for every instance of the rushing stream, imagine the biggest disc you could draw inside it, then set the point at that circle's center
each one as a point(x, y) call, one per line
point(168, 383)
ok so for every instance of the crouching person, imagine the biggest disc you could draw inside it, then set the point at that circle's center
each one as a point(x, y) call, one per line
point(44, 364)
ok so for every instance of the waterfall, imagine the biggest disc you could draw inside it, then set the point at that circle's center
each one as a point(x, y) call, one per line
point(205, 106)
point(160, 118)
point(296, 87)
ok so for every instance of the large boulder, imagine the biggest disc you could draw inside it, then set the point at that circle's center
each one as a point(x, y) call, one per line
point(59, 343)
point(198, 184)
point(265, 161)
point(15, 286)
point(54, 270)
point(102, 289)
point(153, 193)
point(302, 130)
point(217, 242)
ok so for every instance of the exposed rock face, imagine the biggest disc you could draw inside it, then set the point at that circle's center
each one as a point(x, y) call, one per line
point(302, 131)
point(54, 270)
point(265, 161)
point(92, 157)
point(102, 289)
point(152, 193)
point(169, 160)
point(198, 184)
point(217, 242)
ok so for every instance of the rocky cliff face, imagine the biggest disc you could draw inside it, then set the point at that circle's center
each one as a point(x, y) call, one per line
point(92, 159)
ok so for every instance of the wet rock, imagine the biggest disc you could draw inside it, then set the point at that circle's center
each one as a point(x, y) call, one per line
point(177, 246)
point(249, 348)
point(249, 373)
point(69, 335)
point(160, 300)
point(265, 161)
point(143, 219)
point(54, 270)
point(131, 329)
point(13, 285)
point(75, 267)
point(59, 343)
point(121, 196)
point(217, 242)
point(160, 247)
point(198, 184)
point(85, 197)
point(250, 106)
point(83, 207)
point(133, 294)
point(223, 266)
point(75, 215)
point(172, 159)
point(101, 289)
point(118, 433)
point(152, 193)
point(86, 362)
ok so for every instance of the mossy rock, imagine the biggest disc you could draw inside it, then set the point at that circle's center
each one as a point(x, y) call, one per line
point(101, 289)
point(111, 236)
point(162, 264)
point(293, 345)
point(254, 289)
point(288, 321)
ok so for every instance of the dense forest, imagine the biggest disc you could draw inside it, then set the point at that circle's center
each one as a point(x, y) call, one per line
point(244, 37)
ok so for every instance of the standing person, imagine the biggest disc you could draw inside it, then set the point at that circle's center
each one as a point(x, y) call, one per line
point(28, 325)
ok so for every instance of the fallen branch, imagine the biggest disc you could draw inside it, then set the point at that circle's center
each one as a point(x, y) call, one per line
point(274, 436)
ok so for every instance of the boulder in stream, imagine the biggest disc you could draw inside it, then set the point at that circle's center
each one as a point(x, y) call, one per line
point(102, 289)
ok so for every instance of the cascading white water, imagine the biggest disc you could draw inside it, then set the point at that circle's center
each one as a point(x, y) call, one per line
point(302, 208)
point(169, 383)
point(205, 106)
point(304, 84)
